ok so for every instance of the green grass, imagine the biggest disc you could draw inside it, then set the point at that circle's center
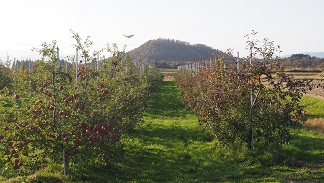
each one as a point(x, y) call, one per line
point(313, 106)
point(170, 146)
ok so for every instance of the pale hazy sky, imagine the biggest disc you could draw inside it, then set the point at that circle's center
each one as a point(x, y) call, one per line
point(296, 25)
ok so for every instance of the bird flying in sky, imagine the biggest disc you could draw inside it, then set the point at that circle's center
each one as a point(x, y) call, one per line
point(129, 36)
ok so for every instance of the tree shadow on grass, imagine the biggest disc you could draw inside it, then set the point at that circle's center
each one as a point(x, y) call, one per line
point(306, 149)
point(171, 155)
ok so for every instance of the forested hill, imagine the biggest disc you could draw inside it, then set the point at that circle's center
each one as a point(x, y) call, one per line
point(303, 61)
point(172, 50)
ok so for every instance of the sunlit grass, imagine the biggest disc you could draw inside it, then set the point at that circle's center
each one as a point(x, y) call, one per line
point(313, 106)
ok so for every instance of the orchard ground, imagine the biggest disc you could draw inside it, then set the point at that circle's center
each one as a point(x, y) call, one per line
point(170, 146)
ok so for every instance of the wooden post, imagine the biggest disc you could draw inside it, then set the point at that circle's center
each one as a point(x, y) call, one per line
point(238, 65)
point(251, 105)
point(65, 159)
point(76, 65)
point(98, 62)
point(29, 64)
point(58, 58)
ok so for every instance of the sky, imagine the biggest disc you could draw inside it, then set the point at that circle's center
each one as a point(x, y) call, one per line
point(296, 25)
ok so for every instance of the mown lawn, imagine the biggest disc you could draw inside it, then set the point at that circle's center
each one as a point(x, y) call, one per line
point(170, 146)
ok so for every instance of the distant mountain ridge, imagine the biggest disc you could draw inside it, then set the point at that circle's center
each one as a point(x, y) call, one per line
point(312, 54)
point(160, 50)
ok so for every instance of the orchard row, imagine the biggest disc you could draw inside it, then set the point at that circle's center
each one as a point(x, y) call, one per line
point(51, 110)
point(253, 104)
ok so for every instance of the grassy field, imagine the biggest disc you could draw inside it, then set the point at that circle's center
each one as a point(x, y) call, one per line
point(315, 110)
point(313, 106)
point(170, 146)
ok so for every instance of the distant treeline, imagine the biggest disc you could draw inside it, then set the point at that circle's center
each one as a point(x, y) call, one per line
point(303, 61)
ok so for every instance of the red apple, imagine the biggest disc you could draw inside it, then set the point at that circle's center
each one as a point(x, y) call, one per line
point(82, 124)
point(107, 127)
point(251, 81)
point(66, 100)
point(16, 155)
point(78, 132)
point(51, 107)
point(25, 124)
point(77, 141)
point(88, 130)
point(21, 145)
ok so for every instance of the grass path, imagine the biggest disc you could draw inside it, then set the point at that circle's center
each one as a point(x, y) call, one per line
point(169, 146)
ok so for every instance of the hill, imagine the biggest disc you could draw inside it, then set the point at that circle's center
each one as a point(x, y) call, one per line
point(161, 51)
point(303, 61)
